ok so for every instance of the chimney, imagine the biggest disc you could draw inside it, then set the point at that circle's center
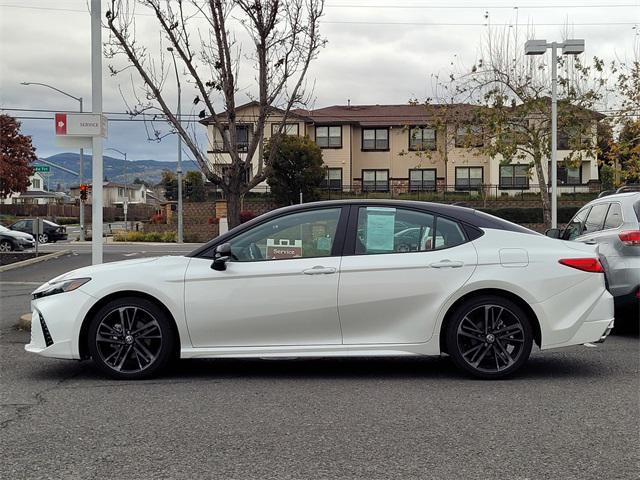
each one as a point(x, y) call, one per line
point(348, 103)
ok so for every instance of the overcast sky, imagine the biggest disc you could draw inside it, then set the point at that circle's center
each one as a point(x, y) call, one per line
point(377, 52)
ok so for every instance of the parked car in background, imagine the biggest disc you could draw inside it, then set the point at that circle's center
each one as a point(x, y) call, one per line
point(13, 240)
point(52, 231)
point(612, 222)
point(331, 279)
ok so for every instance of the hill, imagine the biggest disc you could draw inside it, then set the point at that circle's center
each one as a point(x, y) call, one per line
point(115, 169)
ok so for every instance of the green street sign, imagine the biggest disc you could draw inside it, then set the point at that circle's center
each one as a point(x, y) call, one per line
point(42, 168)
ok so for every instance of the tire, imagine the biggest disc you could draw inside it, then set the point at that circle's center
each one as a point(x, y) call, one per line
point(121, 353)
point(489, 337)
point(5, 246)
point(43, 238)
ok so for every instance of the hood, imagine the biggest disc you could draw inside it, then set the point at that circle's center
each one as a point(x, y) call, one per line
point(103, 267)
point(17, 234)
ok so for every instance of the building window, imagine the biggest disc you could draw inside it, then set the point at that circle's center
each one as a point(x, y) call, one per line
point(468, 178)
point(574, 138)
point(469, 136)
point(287, 129)
point(514, 176)
point(375, 180)
point(35, 183)
point(569, 175)
point(120, 192)
point(422, 179)
point(333, 179)
point(243, 133)
point(375, 139)
point(329, 137)
point(421, 139)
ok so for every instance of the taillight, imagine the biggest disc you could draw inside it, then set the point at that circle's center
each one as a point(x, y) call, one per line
point(630, 237)
point(584, 264)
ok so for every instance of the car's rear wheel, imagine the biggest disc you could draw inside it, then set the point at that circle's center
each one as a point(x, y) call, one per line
point(5, 246)
point(43, 238)
point(131, 338)
point(489, 337)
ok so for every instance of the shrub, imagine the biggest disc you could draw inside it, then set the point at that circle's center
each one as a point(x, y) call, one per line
point(166, 237)
point(529, 215)
point(158, 218)
point(216, 220)
point(246, 215)
point(67, 220)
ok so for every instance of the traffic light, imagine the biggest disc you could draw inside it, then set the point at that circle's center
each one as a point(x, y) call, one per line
point(83, 192)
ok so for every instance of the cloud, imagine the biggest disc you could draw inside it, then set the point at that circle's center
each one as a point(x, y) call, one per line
point(368, 63)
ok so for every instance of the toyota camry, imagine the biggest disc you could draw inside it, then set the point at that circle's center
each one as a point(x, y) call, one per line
point(334, 279)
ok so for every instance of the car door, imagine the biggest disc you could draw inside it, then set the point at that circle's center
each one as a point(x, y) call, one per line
point(593, 224)
point(391, 291)
point(575, 227)
point(279, 288)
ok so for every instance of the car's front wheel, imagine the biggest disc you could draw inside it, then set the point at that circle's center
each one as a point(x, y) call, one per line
point(131, 338)
point(489, 337)
point(5, 246)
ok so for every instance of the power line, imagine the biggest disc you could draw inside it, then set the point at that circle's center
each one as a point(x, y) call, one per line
point(366, 22)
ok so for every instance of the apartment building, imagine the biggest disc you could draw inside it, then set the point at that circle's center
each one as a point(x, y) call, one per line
point(404, 148)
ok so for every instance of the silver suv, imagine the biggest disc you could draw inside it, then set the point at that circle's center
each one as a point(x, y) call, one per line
point(613, 223)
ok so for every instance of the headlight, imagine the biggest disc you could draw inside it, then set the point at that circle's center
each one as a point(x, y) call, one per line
point(60, 286)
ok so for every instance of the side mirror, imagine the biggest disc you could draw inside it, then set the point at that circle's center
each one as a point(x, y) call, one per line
point(553, 233)
point(221, 257)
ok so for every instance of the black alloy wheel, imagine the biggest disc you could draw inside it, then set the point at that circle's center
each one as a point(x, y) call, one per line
point(131, 338)
point(489, 337)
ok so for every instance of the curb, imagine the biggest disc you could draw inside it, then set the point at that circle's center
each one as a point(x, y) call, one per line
point(31, 261)
point(25, 322)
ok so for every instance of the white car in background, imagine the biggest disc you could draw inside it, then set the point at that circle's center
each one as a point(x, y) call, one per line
point(329, 279)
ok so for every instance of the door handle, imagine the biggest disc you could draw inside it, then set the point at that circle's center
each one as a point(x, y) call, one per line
point(590, 242)
point(447, 264)
point(319, 270)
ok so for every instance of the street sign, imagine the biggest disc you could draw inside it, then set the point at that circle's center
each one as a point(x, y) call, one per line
point(41, 168)
point(80, 125)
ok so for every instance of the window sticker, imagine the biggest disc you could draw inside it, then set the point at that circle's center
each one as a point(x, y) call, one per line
point(283, 248)
point(380, 228)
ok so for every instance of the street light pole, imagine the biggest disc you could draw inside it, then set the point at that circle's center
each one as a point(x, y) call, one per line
point(97, 246)
point(554, 135)
point(81, 176)
point(539, 47)
point(125, 202)
point(179, 169)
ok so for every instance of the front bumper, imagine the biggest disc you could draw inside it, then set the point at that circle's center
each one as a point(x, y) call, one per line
point(56, 322)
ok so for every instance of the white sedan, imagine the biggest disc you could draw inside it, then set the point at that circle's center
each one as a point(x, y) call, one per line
point(331, 279)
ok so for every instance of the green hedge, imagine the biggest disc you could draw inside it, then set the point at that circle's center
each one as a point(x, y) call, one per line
point(530, 215)
point(166, 237)
point(67, 220)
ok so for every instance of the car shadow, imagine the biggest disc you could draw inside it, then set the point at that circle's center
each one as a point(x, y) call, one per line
point(441, 369)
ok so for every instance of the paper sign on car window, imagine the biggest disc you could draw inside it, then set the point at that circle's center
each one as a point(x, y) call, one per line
point(380, 228)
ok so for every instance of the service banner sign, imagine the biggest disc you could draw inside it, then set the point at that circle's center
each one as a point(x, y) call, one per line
point(81, 125)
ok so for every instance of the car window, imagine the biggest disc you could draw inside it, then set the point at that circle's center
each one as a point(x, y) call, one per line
point(614, 216)
point(595, 219)
point(448, 233)
point(396, 230)
point(298, 235)
point(393, 230)
point(19, 225)
point(575, 226)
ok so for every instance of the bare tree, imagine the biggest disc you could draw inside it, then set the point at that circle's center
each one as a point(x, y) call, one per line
point(283, 40)
point(512, 93)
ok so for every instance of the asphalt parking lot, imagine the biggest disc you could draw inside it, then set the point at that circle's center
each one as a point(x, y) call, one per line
point(570, 414)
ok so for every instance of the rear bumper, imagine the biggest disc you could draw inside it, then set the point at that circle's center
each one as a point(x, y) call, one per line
point(606, 332)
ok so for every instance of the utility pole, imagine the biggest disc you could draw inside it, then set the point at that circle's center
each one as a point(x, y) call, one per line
point(96, 107)
point(125, 202)
point(179, 169)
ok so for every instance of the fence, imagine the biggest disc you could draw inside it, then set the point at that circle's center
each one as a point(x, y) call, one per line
point(135, 212)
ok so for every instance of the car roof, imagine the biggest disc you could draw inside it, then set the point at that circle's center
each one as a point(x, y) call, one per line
point(616, 196)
